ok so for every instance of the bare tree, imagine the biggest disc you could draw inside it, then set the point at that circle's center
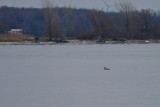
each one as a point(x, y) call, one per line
point(145, 21)
point(126, 8)
point(101, 23)
point(52, 20)
point(69, 21)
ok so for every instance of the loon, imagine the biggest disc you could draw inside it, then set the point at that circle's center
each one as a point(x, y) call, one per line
point(106, 68)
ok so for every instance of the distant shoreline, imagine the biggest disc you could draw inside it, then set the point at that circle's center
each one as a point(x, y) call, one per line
point(78, 42)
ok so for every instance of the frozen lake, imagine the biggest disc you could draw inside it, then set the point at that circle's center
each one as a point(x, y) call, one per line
point(73, 76)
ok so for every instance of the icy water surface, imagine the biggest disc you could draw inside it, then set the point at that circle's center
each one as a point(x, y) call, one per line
point(74, 76)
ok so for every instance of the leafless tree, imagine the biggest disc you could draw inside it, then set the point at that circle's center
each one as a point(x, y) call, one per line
point(101, 23)
point(126, 8)
point(145, 21)
point(69, 21)
point(52, 20)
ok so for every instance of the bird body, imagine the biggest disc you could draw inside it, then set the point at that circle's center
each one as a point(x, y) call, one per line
point(106, 68)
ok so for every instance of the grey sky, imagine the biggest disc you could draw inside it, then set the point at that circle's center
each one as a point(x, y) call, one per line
point(97, 4)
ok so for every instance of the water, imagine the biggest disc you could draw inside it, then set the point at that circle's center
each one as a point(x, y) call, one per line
point(74, 76)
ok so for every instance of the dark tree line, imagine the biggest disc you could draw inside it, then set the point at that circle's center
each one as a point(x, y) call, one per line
point(70, 23)
point(31, 20)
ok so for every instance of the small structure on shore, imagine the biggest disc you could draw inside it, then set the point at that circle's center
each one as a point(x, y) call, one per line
point(16, 31)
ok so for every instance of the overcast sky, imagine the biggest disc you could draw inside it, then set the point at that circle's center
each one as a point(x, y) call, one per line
point(97, 4)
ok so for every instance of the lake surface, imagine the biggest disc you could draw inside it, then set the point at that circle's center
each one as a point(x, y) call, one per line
point(74, 76)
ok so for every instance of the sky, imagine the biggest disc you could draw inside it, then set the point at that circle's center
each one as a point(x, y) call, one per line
point(96, 4)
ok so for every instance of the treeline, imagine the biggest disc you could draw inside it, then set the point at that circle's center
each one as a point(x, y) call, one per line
point(62, 23)
point(31, 20)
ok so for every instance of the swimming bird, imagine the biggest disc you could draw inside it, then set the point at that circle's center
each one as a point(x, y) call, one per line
point(106, 68)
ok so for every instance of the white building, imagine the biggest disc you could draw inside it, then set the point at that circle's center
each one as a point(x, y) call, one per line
point(16, 31)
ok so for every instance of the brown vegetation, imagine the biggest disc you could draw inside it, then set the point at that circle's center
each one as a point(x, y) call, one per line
point(14, 38)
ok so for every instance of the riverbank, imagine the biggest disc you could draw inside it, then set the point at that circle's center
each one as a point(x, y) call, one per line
point(74, 42)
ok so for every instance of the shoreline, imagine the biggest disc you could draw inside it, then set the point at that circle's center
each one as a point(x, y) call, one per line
point(78, 42)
